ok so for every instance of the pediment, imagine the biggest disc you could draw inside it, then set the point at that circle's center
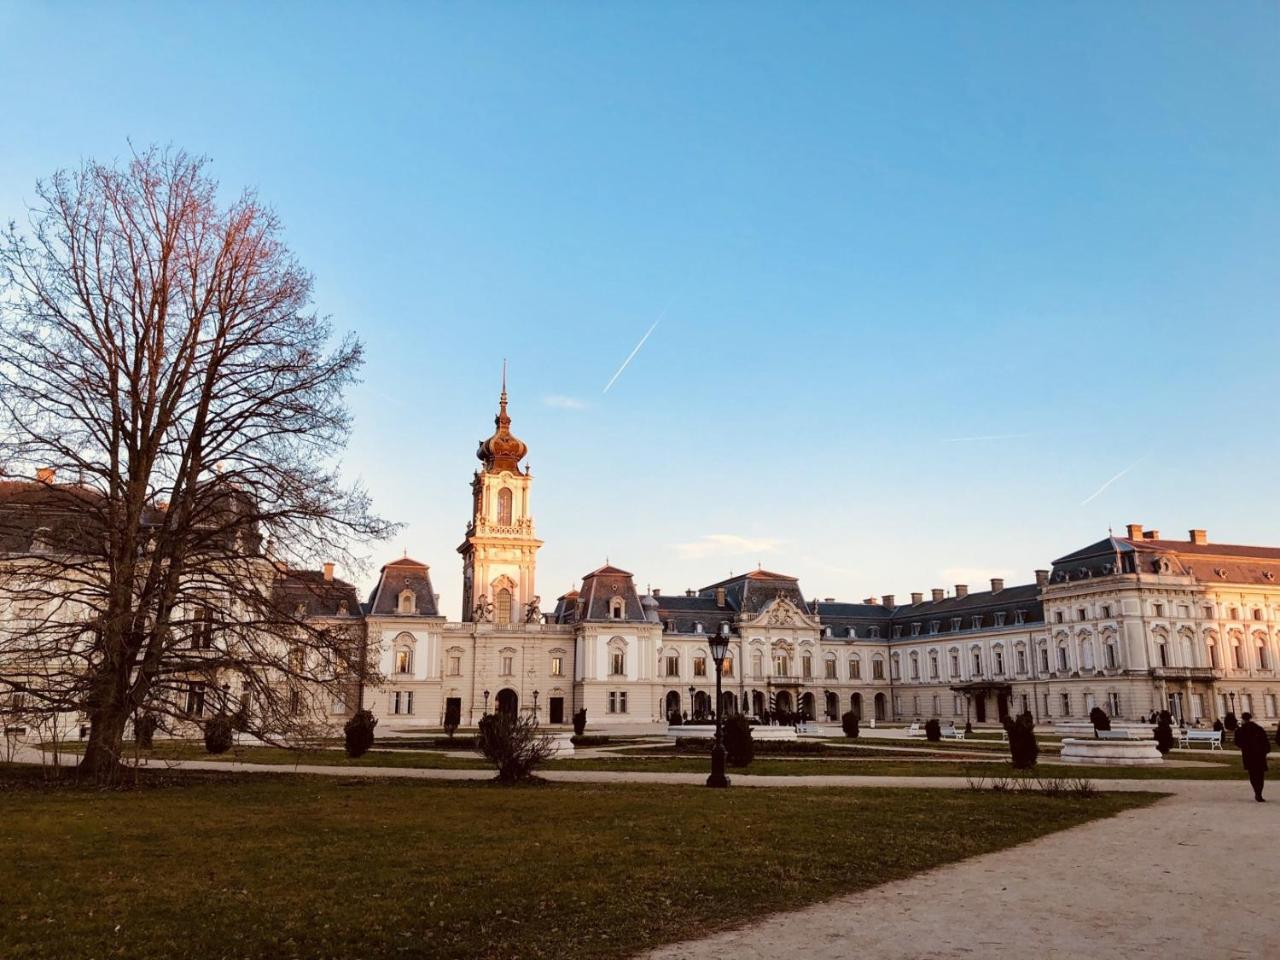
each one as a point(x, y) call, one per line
point(782, 612)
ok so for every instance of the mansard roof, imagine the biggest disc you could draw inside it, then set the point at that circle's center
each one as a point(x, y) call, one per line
point(751, 592)
point(317, 596)
point(398, 576)
point(602, 585)
point(1206, 562)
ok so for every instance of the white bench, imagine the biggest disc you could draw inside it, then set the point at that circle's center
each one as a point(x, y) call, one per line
point(1212, 737)
point(915, 730)
point(953, 733)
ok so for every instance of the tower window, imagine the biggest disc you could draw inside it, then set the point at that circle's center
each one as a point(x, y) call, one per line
point(504, 507)
point(504, 605)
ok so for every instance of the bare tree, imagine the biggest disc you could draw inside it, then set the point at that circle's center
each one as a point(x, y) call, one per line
point(163, 376)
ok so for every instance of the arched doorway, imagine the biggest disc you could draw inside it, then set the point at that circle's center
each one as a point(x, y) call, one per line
point(673, 704)
point(701, 704)
point(833, 706)
point(855, 704)
point(807, 708)
point(728, 703)
point(881, 706)
point(508, 702)
point(757, 702)
point(782, 702)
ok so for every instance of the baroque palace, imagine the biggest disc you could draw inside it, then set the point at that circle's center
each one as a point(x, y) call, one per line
point(1130, 624)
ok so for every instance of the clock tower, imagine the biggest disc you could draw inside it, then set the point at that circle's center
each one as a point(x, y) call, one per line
point(499, 553)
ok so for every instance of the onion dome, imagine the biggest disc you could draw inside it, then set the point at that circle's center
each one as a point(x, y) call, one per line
point(503, 450)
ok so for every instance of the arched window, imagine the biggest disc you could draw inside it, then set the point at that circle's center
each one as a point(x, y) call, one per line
point(503, 605)
point(504, 507)
point(408, 602)
point(915, 665)
point(402, 658)
point(617, 657)
point(616, 608)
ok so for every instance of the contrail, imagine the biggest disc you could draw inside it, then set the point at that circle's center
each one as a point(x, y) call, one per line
point(631, 355)
point(1112, 480)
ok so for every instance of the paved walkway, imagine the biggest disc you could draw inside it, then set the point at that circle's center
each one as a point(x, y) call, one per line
point(1193, 876)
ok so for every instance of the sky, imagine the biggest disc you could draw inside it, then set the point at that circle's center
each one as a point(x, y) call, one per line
point(942, 290)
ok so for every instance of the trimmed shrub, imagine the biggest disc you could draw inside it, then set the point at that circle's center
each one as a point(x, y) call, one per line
point(968, 729)
point(932, 730)
point(594, 740)
point(1229, 721)
point(358, 733)
point(1023, 749)
point(675, 719)
point(515, 745)
point(738, 745)
point(579, 722)
point(144, 729)
point(219, 735)
point(240, 719)
point(1098, 717)
point(1164, 732)
point(849, 722)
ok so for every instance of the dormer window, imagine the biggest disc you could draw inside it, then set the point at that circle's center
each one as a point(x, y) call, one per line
point(977, 622)
point(934, 625)
point(408, 602)
point(343, 609)
point(671, 626)
point(697, 627)
point(826, 633)
point(1019, 616)
point(1000, 617)
point(915, 629)
point(955, 622)
point(616, 608)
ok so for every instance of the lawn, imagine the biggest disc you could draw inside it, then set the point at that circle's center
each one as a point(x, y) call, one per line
point(201, 865)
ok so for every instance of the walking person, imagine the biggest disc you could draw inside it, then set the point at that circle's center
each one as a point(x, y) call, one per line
point(1254, 746)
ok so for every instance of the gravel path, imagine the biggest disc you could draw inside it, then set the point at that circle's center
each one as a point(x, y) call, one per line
point(1193, 876)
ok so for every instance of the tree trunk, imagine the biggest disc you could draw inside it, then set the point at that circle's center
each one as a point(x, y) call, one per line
point(103, 750)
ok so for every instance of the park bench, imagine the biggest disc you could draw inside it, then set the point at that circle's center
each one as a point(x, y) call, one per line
point(953, 733)
point(1212, 737)
point(915, 730)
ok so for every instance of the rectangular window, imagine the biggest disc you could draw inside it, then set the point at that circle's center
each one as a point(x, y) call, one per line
point(455, 666)
point(955, 665)
point(613, 701)
point(699, 666)
point(977, 664)
point(1066, 704)
point(1044, 660)
point(1269, 702)
point(617, 701)
point(557, 666)
point(195, 699)
point(806, 666)
point(404, 661)
point(673, 665)
point(933, 666)
point(999, 662)
point(1022, 662)
point(508, 666)
point(894, 671)
point(1113, 704)
point(877, 669)
point(757, 665)
point(1057, 616)
point(831, 670)
point(1110, 651)
point(915, 669)
point(1106, 611)
point(781, 666)
point(1157, 609)
point(618, 664)
point(339, 704)
point(726, 668)
point(1062, 658)
point(855, 669)
point(1082, 614)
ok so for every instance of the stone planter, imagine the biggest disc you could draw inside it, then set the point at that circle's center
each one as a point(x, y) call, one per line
point(1111, 753)
point(562, 745)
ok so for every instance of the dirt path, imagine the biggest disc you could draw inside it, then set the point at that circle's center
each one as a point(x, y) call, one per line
point(1192, 877)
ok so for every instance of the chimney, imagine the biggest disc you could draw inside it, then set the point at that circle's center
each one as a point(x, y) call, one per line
point(657, 592)
point(46, 474)
point(1200, 537)
point(870, 601)
point(938, 594)
point(1151, 535)
point(997, 584)
point(888, 599)
point(328, 572)
point(828, 599)
point(962, 589)
point(690, 593)
point(720, 597)
point(917, 598)
point(1135, 531)
point(1042, 578)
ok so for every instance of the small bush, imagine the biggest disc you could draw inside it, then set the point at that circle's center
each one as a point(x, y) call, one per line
point(590, 741)
point(144, 729)
point(675, 719)
point(219, 735)
point(579, 722)
point(1098, 717)
point(515, 745)
point(968, 729)
point(738, 744)
point(240, 719)
point(849, 722)
point(1229, 721)
point(358, 733)
point(932, 730)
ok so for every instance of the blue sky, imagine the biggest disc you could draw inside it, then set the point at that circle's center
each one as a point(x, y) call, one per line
point(871, 231)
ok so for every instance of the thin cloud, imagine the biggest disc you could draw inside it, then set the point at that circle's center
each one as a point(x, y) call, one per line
point(561, 402)
point(726, 545)
point(1099, 491)
point(996, 436)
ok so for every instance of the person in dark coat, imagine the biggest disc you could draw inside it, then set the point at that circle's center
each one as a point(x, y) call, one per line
point(1254, 746)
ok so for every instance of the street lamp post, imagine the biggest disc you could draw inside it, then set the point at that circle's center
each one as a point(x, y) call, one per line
point(535, 706)
point(486, 703)
point(719, 648)
point(693, 714)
